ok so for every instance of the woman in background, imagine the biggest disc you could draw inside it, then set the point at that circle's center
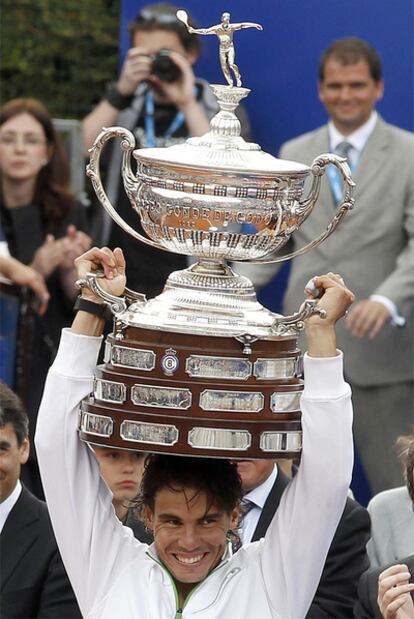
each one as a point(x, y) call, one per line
point(43, 226)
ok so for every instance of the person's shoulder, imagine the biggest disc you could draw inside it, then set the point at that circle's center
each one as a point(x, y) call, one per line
point(402, 136)
point(388, 499)
point(302, 141)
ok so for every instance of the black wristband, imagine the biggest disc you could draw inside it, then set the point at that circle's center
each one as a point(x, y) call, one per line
point(97, 309)
point(116, 99)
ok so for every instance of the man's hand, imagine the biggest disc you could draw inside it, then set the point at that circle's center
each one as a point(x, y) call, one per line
point(181, 92)
point(112, 263)
point(335, 300)
point(136, 69)
point(367, 318)
point(394, 599)
point(23, 275)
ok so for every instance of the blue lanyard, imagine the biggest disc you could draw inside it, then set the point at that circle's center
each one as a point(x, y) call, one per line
point(150, 123)
point(335, 180)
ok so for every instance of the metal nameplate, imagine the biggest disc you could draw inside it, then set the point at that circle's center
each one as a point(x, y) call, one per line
point(232, 401)
point(217, 438)
point(109, 391)
point(140, 359)
point(149, 433)
point(274, 369)
point(203, 366)
point(285, 402)
point(98, 425)
point(280, 441)
point(161, 397)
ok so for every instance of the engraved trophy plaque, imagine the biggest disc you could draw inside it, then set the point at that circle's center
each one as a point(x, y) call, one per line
point(203, 368)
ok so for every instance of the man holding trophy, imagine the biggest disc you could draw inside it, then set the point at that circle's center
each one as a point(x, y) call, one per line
point(201, 370)
point(189, 570)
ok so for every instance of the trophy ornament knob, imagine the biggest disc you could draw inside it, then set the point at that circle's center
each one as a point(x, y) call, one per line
point(92, 170)
point(318, 168)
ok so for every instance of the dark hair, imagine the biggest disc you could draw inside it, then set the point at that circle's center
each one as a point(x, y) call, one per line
point(349, 51)
point(52, 193)
point(405, 448)
point(162, 16)
point(12, 411)
point(219, 479)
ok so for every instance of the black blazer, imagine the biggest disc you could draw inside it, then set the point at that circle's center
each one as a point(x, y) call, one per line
point(346, 560)
point(366, 606)
point(34, 583)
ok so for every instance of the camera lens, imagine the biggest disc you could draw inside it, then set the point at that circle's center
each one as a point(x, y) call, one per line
point(164, 68)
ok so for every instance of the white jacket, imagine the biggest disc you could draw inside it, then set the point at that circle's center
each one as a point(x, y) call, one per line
point(114, 575)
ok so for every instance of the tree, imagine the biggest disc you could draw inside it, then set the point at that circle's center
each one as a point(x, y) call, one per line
point(59, 51)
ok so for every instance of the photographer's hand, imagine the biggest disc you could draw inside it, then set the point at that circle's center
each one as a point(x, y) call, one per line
point(182, 94)
point(135, 70)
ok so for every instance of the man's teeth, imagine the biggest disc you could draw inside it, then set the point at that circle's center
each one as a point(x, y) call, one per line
point(189, 560)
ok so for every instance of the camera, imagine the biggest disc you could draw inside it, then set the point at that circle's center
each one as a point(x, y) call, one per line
point(164, 68)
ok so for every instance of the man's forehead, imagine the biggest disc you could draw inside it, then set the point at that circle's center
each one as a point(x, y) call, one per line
point(183, 499)
point(337, 66)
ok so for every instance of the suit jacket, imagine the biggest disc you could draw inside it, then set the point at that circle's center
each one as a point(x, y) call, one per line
point(373, 248)
point(392, 520)
point(346, 560)
point(366, 606)
point(34, 583)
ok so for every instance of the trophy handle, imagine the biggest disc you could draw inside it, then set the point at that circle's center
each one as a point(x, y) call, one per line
point(295, 322)
point(306, 206)
point(92, 170)
point(117, 305)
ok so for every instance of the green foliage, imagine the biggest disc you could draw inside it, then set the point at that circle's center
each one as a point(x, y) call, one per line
point(59, 51)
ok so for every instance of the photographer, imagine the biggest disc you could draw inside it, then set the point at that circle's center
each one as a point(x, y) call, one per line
point(159, 99)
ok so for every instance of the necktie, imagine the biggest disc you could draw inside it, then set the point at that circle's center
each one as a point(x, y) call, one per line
point(334, 176)
point(245, 507)
point(343, 149)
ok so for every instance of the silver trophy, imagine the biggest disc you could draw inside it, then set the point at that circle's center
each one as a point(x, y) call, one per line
point(216, 198)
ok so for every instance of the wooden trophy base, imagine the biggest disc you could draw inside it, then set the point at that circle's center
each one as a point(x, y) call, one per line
point(196, 395)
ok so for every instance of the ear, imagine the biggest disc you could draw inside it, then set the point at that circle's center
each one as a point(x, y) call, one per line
point(235, 516)
point(320, 91)
point(148, 518)
point(24, 450)
point(379, 90)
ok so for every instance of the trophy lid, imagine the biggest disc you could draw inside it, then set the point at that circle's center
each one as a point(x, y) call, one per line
point(222, 149)
point(198, 158)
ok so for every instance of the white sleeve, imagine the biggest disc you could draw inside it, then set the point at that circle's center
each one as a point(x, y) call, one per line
point(93, 543)
point(300, 534)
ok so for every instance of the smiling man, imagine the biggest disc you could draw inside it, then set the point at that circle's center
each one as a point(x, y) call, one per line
point(191, 503)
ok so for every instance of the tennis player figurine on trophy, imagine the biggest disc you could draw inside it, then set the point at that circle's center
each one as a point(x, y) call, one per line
point(204, 368)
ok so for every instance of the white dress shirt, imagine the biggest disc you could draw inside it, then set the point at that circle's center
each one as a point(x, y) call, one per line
point(357, 140)
point(258, 496)
point(7, 505)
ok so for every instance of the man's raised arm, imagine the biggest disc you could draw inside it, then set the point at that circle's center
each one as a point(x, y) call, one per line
point(299, 536)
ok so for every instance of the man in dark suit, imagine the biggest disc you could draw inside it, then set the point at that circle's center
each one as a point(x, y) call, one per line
point(263, 484)
point(33, 581)
point(367, 606)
